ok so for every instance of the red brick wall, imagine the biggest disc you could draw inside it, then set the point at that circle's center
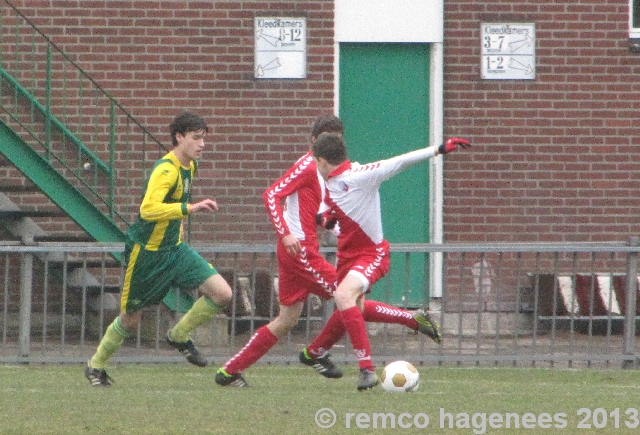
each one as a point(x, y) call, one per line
point(160, 57)
point(556, 158)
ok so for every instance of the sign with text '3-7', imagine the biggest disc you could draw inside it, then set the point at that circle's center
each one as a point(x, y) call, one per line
point(508, 51)
point(280, 48)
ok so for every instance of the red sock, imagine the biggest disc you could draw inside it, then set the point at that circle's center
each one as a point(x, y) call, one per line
point(375, 311)
point(258, 345)
point(331, 333)
point(353, 322)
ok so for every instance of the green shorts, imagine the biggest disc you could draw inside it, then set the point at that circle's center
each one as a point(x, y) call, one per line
point(149, 275)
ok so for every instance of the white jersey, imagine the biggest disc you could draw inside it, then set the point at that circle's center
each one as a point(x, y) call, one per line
point(353, 195)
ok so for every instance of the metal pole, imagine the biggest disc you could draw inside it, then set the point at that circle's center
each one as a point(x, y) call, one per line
point(26, 284)
point(47, 115)
point(112, 161)
point(631, 298)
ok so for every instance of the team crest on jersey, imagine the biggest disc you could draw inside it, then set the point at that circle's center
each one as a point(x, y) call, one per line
point(343, 186)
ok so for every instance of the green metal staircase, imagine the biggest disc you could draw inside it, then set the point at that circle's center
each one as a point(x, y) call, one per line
point(68, 136)
point(99, 226)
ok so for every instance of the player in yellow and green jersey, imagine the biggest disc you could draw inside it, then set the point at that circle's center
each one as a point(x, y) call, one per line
point(155, 257)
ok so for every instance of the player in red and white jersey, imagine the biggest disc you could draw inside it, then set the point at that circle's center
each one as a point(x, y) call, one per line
point(363, 255)
point(302, 269)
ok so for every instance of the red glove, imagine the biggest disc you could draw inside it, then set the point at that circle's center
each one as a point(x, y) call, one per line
point(326, 220)
point(452, 144)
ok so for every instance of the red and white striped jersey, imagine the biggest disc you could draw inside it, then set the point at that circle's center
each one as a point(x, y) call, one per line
point(353, 195)
point(302, 189)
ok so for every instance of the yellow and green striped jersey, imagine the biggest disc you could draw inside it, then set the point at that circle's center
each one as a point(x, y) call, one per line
point(164, 205)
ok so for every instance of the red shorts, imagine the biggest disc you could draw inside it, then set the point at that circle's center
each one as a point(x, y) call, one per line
point(372, 264)
point(307, 273)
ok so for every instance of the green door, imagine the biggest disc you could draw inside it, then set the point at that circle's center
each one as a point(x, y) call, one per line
point(384, 104)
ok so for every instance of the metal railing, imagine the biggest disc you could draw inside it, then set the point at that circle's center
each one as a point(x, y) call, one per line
point(70, 120)
point(552, 305)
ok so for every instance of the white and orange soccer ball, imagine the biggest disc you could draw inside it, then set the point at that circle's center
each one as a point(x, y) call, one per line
point(400, 376)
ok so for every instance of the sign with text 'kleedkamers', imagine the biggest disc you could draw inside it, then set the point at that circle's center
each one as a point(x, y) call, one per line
point(280, 48)
point(508, 51)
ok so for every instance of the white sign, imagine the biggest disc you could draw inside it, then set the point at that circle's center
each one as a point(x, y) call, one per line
point(508, 51)
point(388, 21)
point(280, 48)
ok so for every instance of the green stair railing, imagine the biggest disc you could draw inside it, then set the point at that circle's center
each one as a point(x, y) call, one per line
point(70, 120)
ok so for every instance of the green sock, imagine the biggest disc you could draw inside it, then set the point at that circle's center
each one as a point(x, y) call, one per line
point(202, 311)
point(110, 343)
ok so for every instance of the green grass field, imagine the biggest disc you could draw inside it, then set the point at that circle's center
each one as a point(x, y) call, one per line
point(182, 399)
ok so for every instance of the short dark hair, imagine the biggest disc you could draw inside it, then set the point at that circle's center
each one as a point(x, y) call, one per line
point(331, 147)
point(327, 124)
point(186, 122)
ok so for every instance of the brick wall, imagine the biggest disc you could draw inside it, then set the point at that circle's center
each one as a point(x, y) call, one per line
point(556, 158)
point(160, 57)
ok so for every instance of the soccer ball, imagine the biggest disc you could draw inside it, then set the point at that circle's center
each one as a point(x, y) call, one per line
point(400, 376)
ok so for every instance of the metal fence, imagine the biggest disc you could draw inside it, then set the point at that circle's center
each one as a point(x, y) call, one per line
point(548, 305)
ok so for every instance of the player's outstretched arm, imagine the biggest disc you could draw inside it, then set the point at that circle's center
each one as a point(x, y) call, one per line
point(376, 173)
point(452, 144)
point(204, 205)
